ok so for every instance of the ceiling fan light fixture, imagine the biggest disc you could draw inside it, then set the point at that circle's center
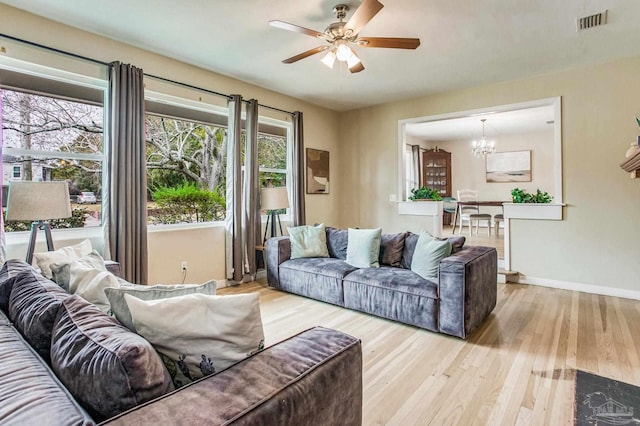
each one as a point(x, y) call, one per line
point(353, 60)
point(343, 52)
point(329, 59)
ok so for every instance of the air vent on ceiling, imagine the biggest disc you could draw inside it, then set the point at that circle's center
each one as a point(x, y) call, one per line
point(591, 21)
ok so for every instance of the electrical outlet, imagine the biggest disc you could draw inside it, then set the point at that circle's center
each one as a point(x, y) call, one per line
point(183, 265)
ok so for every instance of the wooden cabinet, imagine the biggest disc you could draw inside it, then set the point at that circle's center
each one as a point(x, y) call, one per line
point(436, 170)
point(436, 174)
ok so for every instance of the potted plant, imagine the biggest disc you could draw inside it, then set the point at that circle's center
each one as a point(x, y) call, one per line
point(522, 196)
point(424, 193)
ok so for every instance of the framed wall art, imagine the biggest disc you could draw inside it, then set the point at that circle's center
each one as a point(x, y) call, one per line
point(317, 171)
point(514, 166)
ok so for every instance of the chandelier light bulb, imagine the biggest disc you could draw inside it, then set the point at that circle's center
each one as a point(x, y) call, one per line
point(482, 148)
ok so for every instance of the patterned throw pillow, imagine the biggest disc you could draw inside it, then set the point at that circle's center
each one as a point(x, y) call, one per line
point(199, 335)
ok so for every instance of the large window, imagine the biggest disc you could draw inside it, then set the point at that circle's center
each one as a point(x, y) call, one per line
point(187, 160)
point(50, 138)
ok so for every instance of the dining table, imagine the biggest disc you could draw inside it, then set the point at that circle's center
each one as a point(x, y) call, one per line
point(473, 204)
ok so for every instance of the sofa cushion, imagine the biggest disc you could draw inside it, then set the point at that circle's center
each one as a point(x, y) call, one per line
point(317, 278)
point(31, 393)
point(337, 240)
point(391, 249)
point(10, 269)
point(120, 309)
point(199, 335)
point(393, 293)
point(363, 247)
point(33, 307)
point(62, 271)
point(106, 367)
point(308, 241)
point(45, 259)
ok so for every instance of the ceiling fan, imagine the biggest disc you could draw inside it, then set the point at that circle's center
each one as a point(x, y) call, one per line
point(341, 35)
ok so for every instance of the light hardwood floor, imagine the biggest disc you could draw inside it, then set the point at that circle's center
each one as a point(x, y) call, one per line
point(518, 368)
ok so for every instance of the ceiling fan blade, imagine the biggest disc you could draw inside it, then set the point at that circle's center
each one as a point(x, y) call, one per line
point(389, 42)
point(297, 29)
point(363, 14)
point(356, 68)
point(305, 54)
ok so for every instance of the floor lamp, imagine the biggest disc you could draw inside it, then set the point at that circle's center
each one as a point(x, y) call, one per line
point(273, 199)
point(38, 201)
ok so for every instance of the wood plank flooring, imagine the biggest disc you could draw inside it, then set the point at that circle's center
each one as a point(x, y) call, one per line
point(517, 369)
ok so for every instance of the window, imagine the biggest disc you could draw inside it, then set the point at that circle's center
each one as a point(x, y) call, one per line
point(51, 138)
point(187, 158)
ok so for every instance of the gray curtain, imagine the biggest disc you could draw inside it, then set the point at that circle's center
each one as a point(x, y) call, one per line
point(297, 169)
point(251, 189)
point(125, 177)
point(3, 242)
point(235, 264)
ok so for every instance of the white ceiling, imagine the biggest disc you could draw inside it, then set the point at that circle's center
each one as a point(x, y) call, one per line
point(519, 121)
point(464, 43)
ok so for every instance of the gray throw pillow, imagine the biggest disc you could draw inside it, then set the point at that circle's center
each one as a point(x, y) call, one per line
point(337, 240)
point(120, 309)
point(364, 248)
point(428, 254)
point(107, 368)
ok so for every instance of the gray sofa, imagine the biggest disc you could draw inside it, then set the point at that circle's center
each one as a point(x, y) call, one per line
point(64, 362)
point(456, 303)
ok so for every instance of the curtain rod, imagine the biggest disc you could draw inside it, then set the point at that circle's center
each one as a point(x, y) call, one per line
point(96, 61)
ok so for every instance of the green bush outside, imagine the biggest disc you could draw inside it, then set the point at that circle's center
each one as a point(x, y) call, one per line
point(78, 216)
point(186, 203)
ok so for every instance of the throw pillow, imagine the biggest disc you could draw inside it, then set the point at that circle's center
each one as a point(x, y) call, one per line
point(61, 272)
point(66, 254)
point(89, 278)
point(391, 249)
point(107, 368)
point(363, 247)
point(120, 309)
point(198, 334)
point(308, 241)
point(337, 242)
point(428, 254)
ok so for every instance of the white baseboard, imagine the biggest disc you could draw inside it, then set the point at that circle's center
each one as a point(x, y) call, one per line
point(262, 273)
point(585, 288)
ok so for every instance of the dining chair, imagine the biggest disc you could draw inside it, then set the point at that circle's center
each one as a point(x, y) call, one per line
point(450, 205)
point(497, 218)
point(471, 213)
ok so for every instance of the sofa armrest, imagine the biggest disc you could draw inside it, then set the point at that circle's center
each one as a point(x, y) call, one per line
point(468, 289)
point(278, 250)
point(316, 374)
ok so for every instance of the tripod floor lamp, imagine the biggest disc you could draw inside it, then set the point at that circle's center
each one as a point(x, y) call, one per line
point(273, 199)
point(39, 202)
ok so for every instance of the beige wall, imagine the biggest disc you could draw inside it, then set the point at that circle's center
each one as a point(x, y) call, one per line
point(204, 252)
point(597, 242)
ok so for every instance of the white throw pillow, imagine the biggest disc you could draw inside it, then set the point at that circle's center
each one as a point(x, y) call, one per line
point(62, 271)
point(308, 241)
point(88, 278)
point(427, 255)
point(120, 309)
point(63, 255)
point(363, 247)
point(200, 334)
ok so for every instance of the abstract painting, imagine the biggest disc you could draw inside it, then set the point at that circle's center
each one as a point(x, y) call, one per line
point(317, 171)
point(512, 166)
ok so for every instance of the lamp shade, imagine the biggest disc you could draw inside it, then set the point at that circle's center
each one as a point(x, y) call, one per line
point(274, 198)
point(38, 200)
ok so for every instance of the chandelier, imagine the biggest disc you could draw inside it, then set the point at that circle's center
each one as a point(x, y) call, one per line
point(483, 147)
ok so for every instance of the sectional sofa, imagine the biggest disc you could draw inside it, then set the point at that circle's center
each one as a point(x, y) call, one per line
point(455, 303)
point(64, 362)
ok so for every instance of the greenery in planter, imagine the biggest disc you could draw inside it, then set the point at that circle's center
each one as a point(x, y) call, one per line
point(522, 196)
point(425, 193)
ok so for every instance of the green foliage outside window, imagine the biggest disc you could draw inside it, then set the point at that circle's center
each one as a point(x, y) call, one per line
point(186, 203)
point(77, 219)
